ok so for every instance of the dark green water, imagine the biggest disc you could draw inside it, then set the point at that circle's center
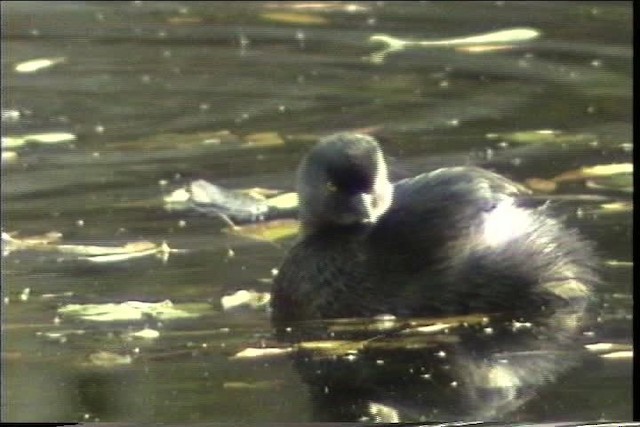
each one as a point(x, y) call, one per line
point(135, 72)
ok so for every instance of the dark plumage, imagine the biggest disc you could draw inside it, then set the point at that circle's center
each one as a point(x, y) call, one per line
point(450, 242)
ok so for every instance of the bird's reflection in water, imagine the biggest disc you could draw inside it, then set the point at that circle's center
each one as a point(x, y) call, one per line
point(449, 369)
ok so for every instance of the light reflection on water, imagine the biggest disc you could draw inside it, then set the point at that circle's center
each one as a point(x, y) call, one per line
point(134, 72)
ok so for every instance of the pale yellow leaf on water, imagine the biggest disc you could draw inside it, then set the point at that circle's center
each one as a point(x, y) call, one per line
point(595, 171)
point(602, 346)
point(90, 250)
point(108, 359)
point(322, 6)
point(284, 201)
point(259, 193)
point(542, 136)
point(257, 385)
point(627, 354)
point(294, 18)
point(541, 185)
point(617, 206)
point(248, 298)
point(193, 140)
point(184, 20)
point(483, 49)
point(264, 139)
point(328, 344)
point(180, 195)
point(132, 310)
point(252, 353)
point(38, 240)
point(270, 231)
point(502, 37)
point(438, 327)
point(9, 156)
point(606, 170)
point(616, 182)
point(37, 138)
point(34, 65)
point(616, 263)
point(145, 333)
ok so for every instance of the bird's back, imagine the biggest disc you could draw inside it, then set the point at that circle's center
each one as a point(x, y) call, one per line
point(457, 241)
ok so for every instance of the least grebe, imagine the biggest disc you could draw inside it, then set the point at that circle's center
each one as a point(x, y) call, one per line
point(450, 242)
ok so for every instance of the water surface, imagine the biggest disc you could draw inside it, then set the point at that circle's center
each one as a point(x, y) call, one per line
point(140, 85)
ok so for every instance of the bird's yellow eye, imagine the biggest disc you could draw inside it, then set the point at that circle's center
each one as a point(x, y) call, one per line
point(331, 186)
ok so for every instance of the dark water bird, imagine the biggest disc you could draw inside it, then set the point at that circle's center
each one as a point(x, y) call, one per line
point(454, 241)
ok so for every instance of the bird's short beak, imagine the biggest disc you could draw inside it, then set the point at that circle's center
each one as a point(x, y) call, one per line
point(364, 207)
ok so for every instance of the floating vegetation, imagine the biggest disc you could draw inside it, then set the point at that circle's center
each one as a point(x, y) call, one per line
point(60, 336)
point(256, 385)
point(184, 20)
point(107, 359)
point(245, 205)
point(503, 39)
point(9, 157)
point(37, 138)
point(618, 182)
point(627, 354)
point(245, 298)
point(296, 18)
point(269, 231)
point(90, 253)
point(430, 329)
point(284, 201)
point(320, 6)
point(603, 347)
point(146, 333)
point(133, 310)
point(331, 347)
point(254, 353)
point(608, 350)
point(542, 136)
point(618, 264)
point(35, 65)
point(616, 177)
point(215, 200)
point(596, 172)
point(11, 243)
point(264, 139)
point(260, 193)
point(220, 138)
